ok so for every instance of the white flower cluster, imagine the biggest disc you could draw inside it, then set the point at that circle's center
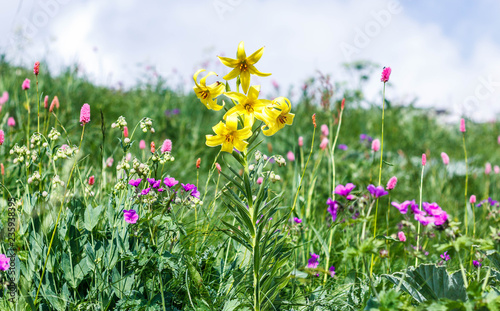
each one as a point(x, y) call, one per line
point(34, 179)
point(123, 164)
point(65, 152)
point(54, 134)
point(140, 168)
point(147, 125)
point(149, 198)
point(36, 140)
point(120, 186)
point(120, 123)
point(280, 160)
point(274, 177)
point(22, 154)
point(56, 181)
point(163, 158)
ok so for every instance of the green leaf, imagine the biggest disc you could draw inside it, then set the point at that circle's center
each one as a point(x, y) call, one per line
point(430, 282)
point(91, 216)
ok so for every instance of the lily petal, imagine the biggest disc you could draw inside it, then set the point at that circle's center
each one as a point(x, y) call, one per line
point(241, 51)
point(252, 59)
point(245, 80)
point(229, 62)
point(232, 74)
point(254, 71)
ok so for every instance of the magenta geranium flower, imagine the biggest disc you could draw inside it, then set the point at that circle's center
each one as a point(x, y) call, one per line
point(313, 262)
point(130, 216)
point(344, 190)
point(445, 256)
point(188, 187)
point(332, 271)
point(333, 208)
point(135, 182)
point(297, 220)
point(4, 262)
point(403, 207)
point(145, 191)
point(377, 192)
point(170, 182)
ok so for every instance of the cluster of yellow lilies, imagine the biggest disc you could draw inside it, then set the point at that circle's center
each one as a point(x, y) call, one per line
point(274, 113)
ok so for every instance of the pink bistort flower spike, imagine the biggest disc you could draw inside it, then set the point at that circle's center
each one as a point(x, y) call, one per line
point(301, 141)
point(167, 146)
point(46, 102)
point(392, 183)
point(125, 131)
point(472, 199)
point(26, 84)
point(36, 68)
point(11, 122)
point(2, 137)
point(323, 144)
point(462, 125)
point(487, 168)
point(5, 97)
point(91, 180)
point(424, 159)
point(290, 156)
point(54, 104)
point(386, 73)
point(85, 114)
point(142, 144)
point(324, 130)
point(260, 180)
point(376, 145)
point(445, 158)
point(496, 169)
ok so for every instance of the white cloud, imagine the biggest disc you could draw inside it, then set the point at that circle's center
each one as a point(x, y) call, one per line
point(300, 37)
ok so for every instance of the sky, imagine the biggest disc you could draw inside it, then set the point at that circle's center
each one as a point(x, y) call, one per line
point(445, 54)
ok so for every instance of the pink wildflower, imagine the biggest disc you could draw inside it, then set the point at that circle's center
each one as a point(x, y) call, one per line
point(26, 84)
point(167, 146)
point(46, 102)
point(11, 122)
point(324, 130)
point(472, 199)
point(487, 169)
point(496, 169)
point(153, 147)
point(4, 262)
point(376, 145)
point(91, 180)
point(290, 156)
point(301, 141)
point(445, 157)
point(424, 159)
point(85, 114)
point(462, 125)
point(217, 165)
point(260, 180)
point(5, 97)
point(36, 68)
point(392, 183)
point(142, 144)
point(2, 137)
point(323, 144)
point(125, 131)
point(54, 104)
point(402, 236)
point(109, 161)
point(386, 73)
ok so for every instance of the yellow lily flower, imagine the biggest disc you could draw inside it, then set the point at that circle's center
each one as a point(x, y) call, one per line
point(208, 93)
point(229, 136)
point(249, 105)
point(276, 116)
point(243, 66)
